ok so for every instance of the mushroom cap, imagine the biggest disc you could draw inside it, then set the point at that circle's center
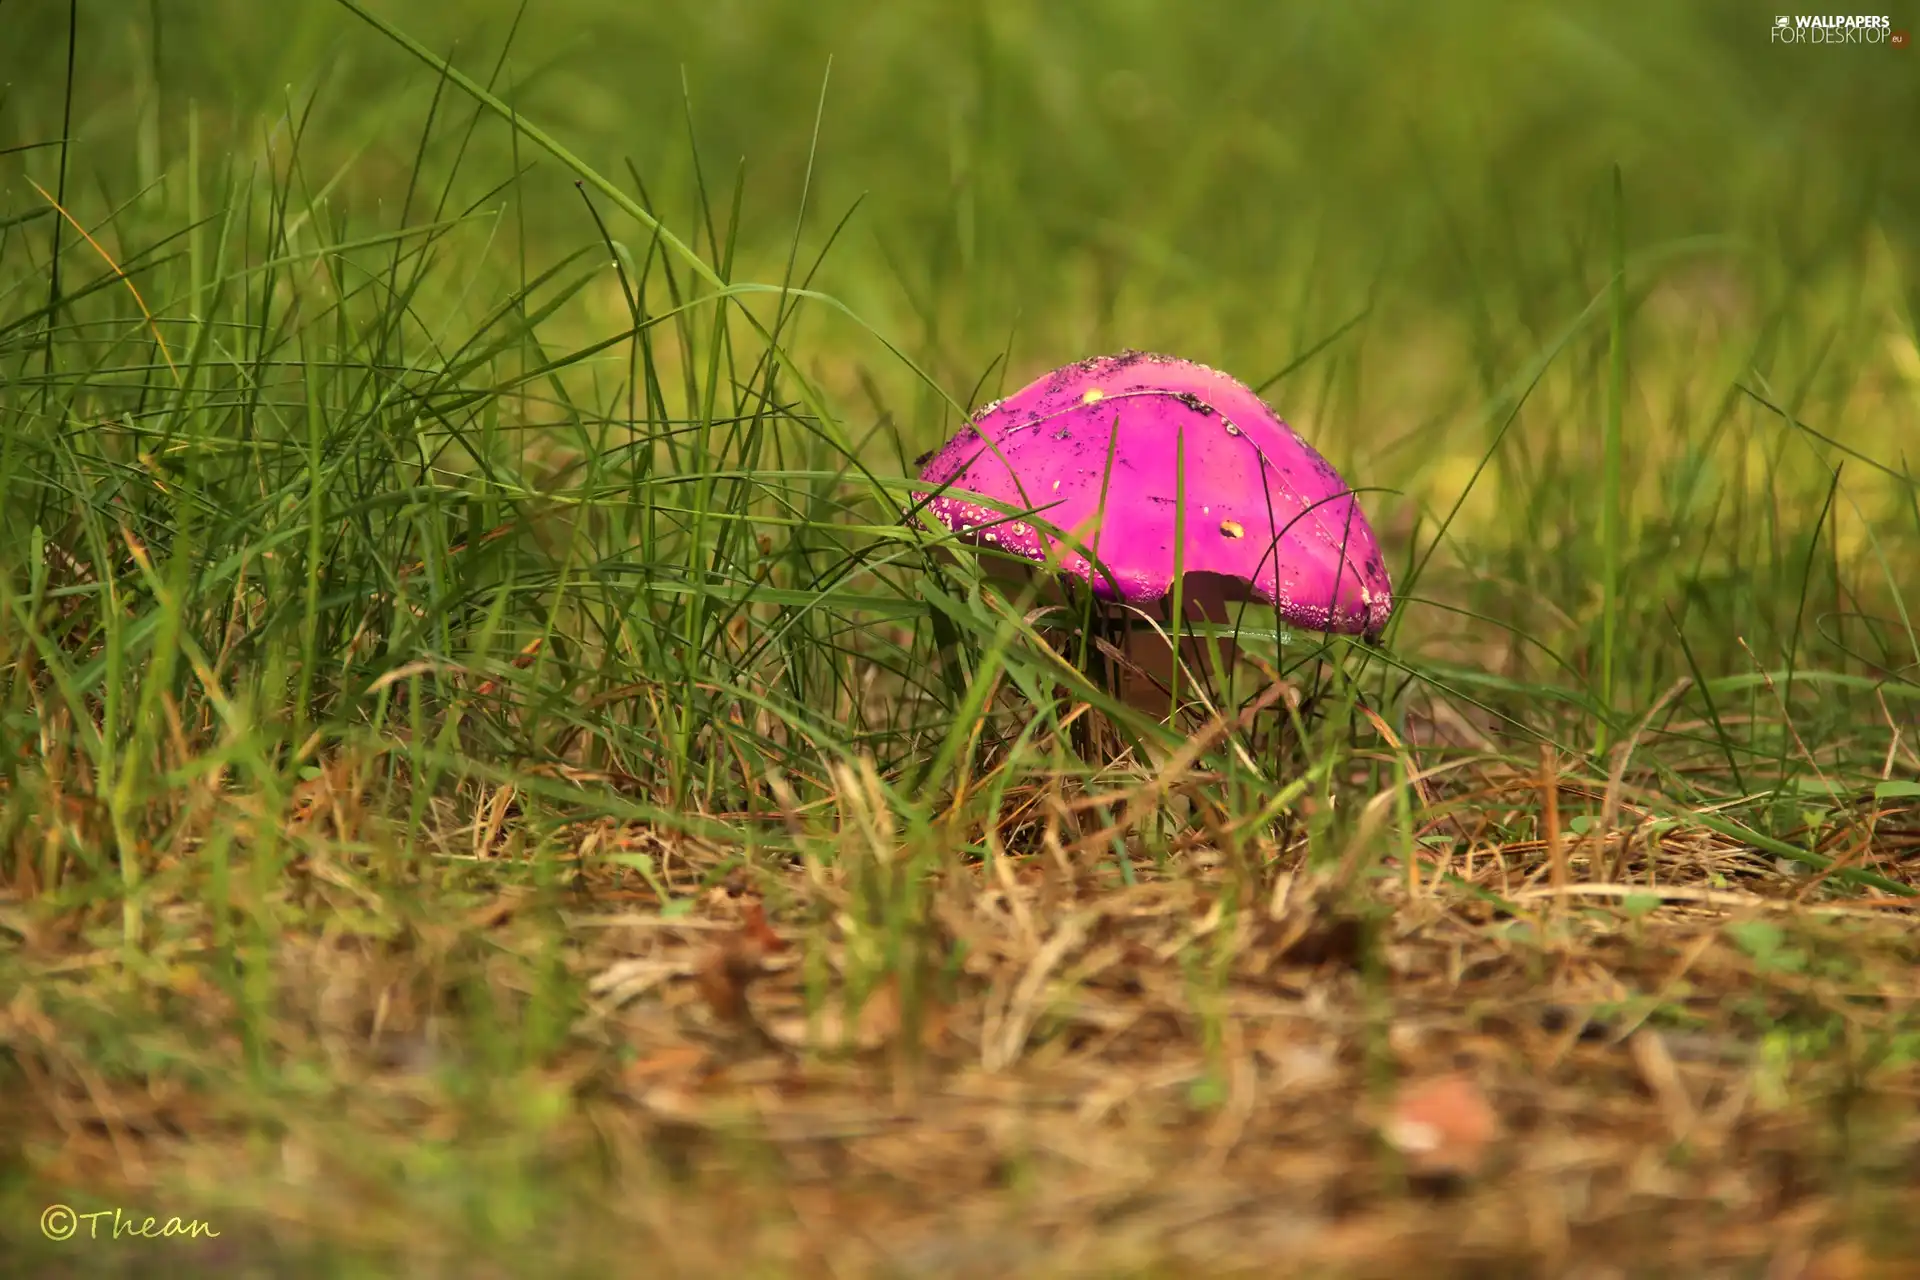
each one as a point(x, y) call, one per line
point(1263, 510)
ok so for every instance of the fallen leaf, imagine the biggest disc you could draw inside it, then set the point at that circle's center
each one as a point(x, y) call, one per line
point(883, 1018)
point(880, 1013)
point(723, 980)
point(1443, 1126)
point(735, 963)
point(753, 925)
point(673, 1062)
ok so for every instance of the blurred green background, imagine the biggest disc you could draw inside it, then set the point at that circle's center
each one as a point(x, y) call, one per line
point(1414, 196)
point(1099, 172)
point(1085, 168)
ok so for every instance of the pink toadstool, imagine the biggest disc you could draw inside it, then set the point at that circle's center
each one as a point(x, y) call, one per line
point(1192, 470)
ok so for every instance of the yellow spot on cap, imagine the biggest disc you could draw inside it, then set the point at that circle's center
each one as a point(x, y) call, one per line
point(1232, 529)
point(1093, 396)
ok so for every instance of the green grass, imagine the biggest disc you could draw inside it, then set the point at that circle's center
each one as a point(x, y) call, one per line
point(453, 574)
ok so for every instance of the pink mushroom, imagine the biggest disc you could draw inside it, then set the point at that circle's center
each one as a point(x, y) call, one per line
point(1265, 517)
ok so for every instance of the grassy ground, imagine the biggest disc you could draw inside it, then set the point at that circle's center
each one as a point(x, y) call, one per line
point(490, 784)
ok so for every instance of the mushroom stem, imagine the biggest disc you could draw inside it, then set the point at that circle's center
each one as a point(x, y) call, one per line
point(1143, 679)
point(1149, 685)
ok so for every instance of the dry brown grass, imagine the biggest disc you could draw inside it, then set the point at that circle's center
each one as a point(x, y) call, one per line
point(1651, 1054)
